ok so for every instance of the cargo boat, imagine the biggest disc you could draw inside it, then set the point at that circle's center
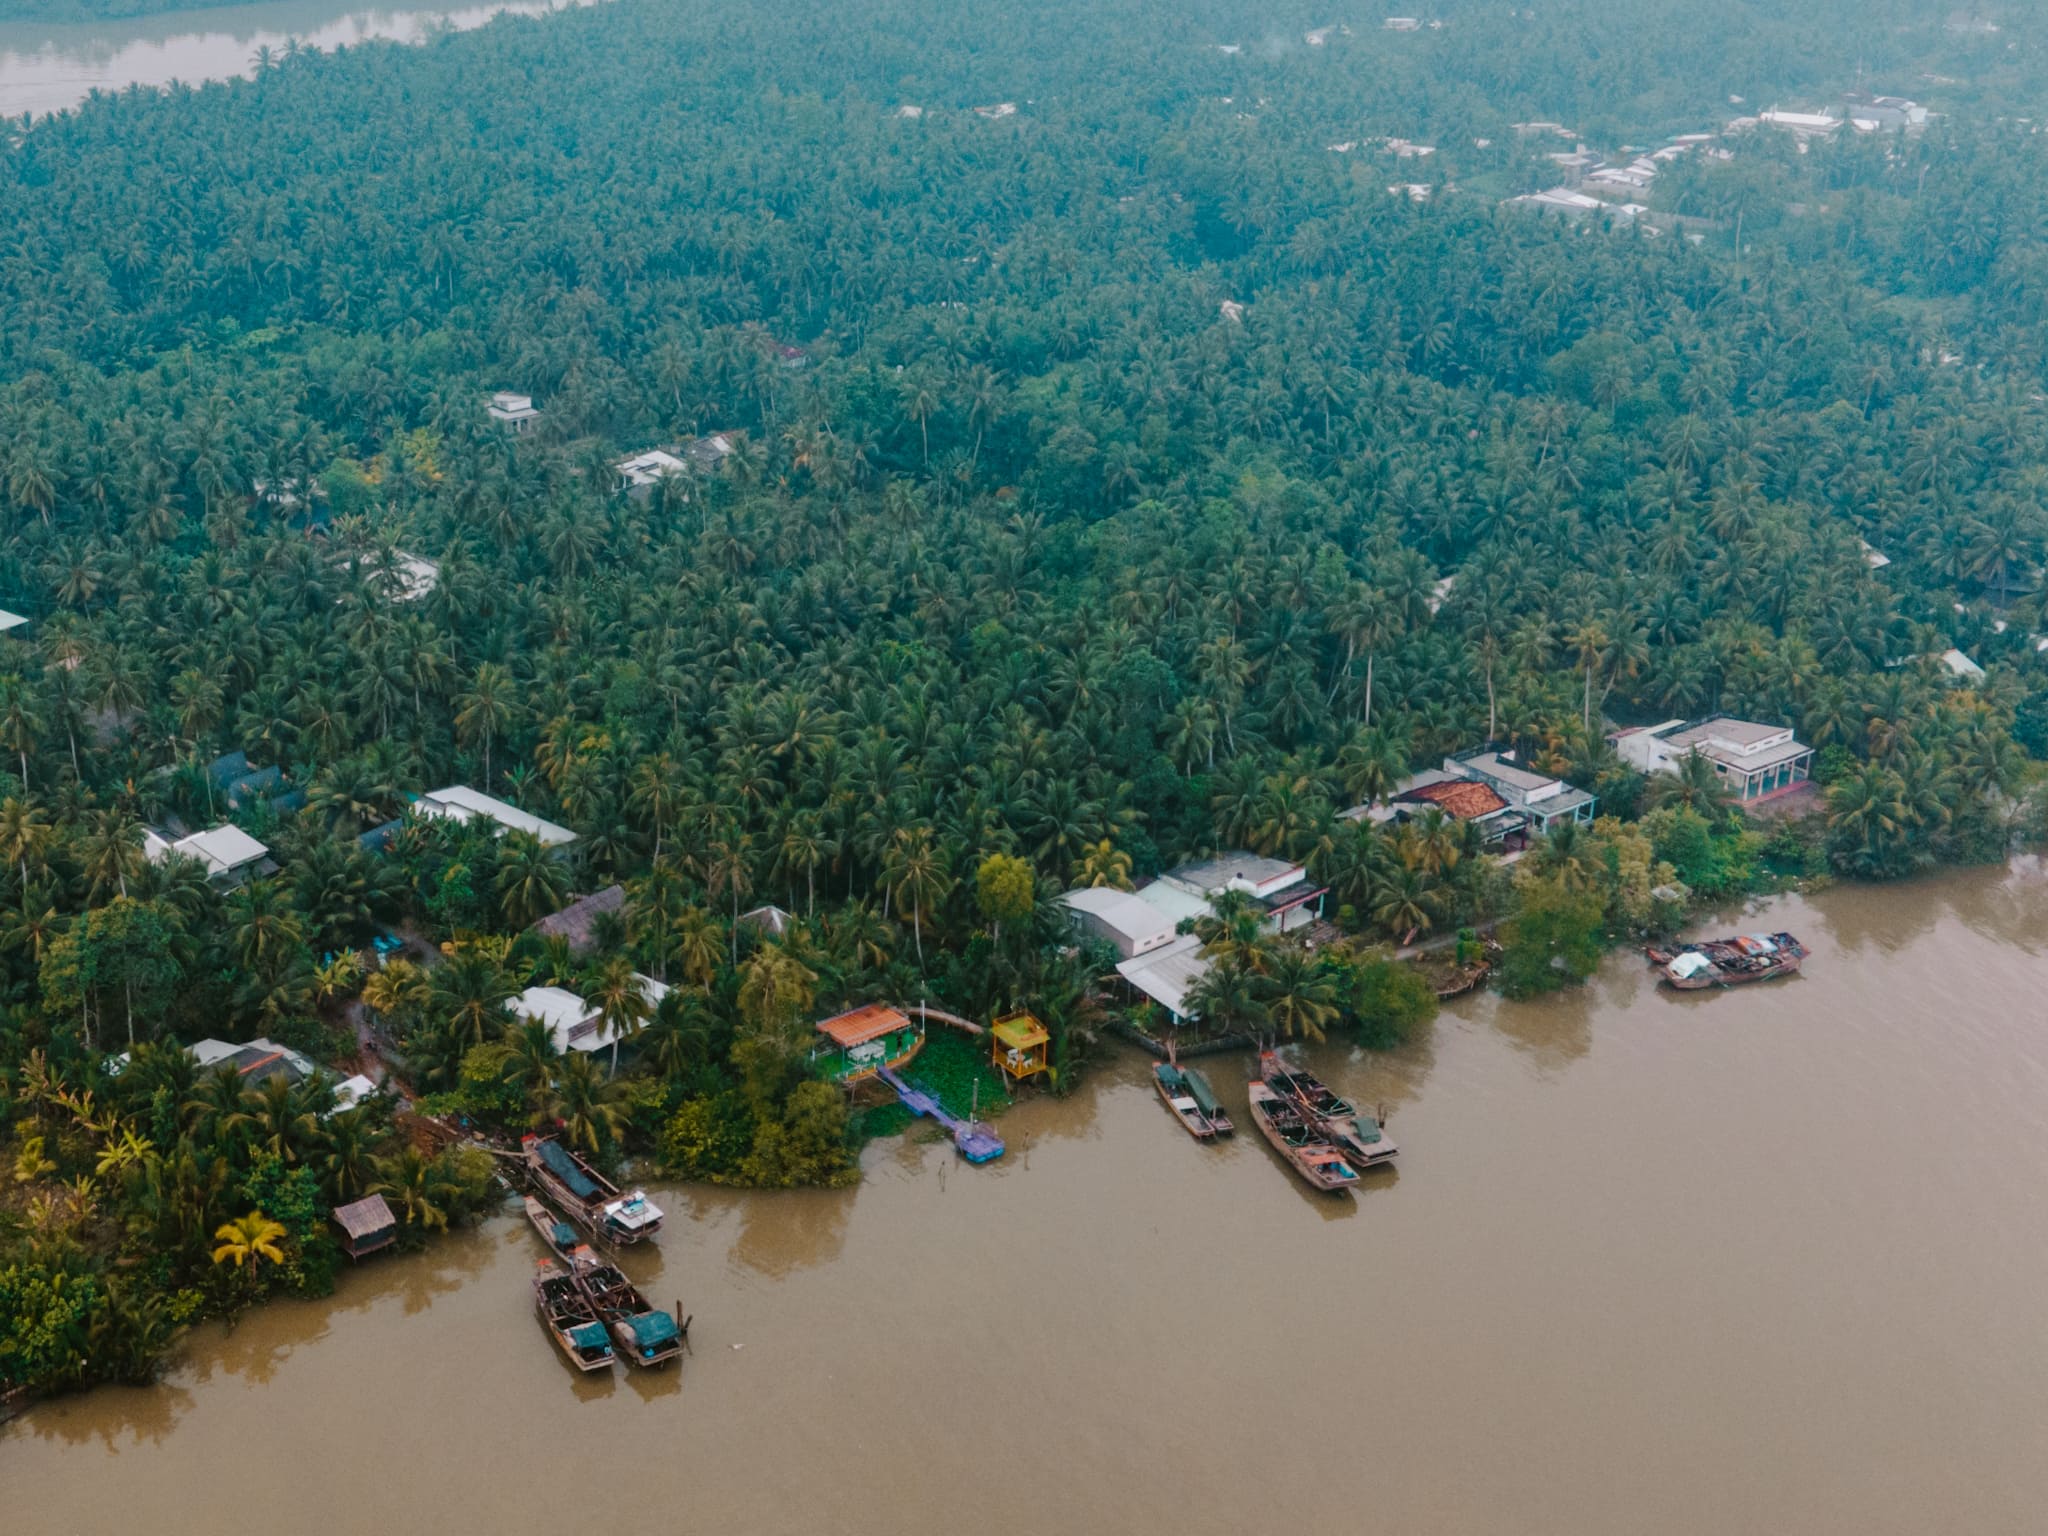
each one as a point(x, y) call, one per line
point(1359, 1136)
point(1177, 1089)
point(570, 1319)
point(586, 1196)
point(1301, 1142)
point(561, 1239)
point(1727, 962)
point(644, 1336)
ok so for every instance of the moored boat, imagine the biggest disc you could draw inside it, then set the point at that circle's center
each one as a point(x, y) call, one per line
point(1205, 1096)
point(586, 1196)
point(644, 1335)
point(1178, 1093)
point(560, 1237)
point(1727, 962)
point(1301, 1142)
point(570, 1319)
point(1359, 1136)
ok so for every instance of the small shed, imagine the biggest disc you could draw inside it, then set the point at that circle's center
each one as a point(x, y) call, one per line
point(366, 1225)
point(1021, 1049)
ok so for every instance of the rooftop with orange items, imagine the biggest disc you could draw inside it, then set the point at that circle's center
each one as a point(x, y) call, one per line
point(1463, 798)
point(857, 1026)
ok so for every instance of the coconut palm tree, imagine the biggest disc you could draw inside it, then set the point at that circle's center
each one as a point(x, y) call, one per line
point(415, 1183)
point(532, 881)
point(590, 1106)
point(1299, 994)
point(531, 1057)
point(249, 1241)
point(1695, 784)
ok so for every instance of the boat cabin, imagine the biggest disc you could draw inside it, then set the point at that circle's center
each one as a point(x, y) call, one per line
point(853, 1046)
point(1022, 1047)
point(366, 1226)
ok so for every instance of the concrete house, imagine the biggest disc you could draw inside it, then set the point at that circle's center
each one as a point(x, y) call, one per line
point(1754, 760)
point(515, 413)
point(1541, 800)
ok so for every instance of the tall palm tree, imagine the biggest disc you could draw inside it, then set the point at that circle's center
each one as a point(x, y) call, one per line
point(531, 1057)
point(1299, 994)
point(590, 1106)
point(621, 999)
point(416, 1184)
point(487, 709)
point(916, 876)
point(532, 881)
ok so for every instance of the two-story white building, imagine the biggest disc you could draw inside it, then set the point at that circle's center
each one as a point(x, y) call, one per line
point(1754, 760)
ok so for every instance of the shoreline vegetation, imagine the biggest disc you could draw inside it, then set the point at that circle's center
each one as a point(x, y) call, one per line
point(1055, 491)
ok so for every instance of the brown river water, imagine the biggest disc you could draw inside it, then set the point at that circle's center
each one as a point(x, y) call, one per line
point(1773, 1260)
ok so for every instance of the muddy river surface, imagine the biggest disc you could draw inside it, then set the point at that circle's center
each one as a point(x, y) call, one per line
point(1772, 1261)
point(48, 67)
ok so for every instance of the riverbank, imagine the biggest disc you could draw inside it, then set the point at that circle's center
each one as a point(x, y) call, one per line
point(1639, 1237)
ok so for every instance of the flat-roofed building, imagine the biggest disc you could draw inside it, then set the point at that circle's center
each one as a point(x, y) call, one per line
point(515, 413)
point(1542, 799)
point(1279, 888)
point(1754, 759)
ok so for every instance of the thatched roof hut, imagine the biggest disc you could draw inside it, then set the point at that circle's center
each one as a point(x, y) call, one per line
point(366, 1225)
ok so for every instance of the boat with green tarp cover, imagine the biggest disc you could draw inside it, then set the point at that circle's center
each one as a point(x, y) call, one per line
point(570, 1318)
point(643, 1335)
point(1176, 1086)
point(586, 1196)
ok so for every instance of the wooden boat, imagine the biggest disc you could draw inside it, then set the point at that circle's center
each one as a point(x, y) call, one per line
point(561, 1238)
point(1174, 1088)
point(644, 1336)
point(1304, 1146)
point(586, 1196)
point(1205, 1096)
point(1727, 962)
point(1360, 1137)
point(570, 1319)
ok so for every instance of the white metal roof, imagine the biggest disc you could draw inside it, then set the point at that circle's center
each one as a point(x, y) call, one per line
point(1167, 975)
point(459, 802)
point(1140, 923)
point(572, 1022)
point(10, 621)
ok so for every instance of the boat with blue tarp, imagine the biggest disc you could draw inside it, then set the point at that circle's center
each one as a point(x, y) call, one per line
point(644, 1335)
point(561, 1238)
point(586, 1196)
point(570, 1318)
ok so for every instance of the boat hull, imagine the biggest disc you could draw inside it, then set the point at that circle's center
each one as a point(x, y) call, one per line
point(1182, 1106)
point(1335, 1116)
point(1728, 962)
point(564, 1312)
point(1318, 1164)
